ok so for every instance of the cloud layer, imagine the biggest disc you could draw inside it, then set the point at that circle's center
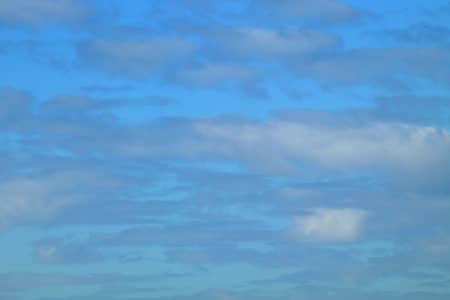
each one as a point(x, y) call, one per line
point(204, 149)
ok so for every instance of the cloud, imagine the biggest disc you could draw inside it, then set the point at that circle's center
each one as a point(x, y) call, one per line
point(212, 74)
point(60, 251)
point(330, 225)
point(31, 198)
point(87, 177)
point(381, 66)
point(26, 281)
point(73, 105)
point(434, 111)
point(246, 78)
point(328, 143)
point(257, 42)
point(321, 11)
point(200, 233)
point(42, 12)
point(420, 33)
point(283, 145)
point(106, 88)
point(134, 57)
point(38, 199)
point(14, 105)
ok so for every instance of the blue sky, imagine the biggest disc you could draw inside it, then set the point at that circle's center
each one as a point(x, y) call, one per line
point(203, 149)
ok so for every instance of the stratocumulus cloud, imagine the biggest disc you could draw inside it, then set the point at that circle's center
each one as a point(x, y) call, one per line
point(206, 149)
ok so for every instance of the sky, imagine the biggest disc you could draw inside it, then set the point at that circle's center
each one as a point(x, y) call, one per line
point(224, 150)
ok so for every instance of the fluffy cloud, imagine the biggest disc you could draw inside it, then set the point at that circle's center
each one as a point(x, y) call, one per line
point(330, 225)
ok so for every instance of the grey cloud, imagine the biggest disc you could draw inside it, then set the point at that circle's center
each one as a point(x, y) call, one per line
point(18, 282)
point(38, 198)
point(258, 42)
point(80, 104)
point(223, 180)
point(414, 109)
point(225, 75)
point(383, 151)
point(383, 147)
point(123, 212)
point(321, 11)
point(421, 33)
point(383, 66)
point(130, 257)
point(195, 233)
point(304, 291)
point(204, 245)
point(212, 74)
point(57, 251)
point(105, 88)
point(72, 104)
point(135, 57)
point(43, 12)
point(14, 105)
point(389, 148)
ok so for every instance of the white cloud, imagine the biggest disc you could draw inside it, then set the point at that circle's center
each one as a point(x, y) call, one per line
point(283, 145)
point(330, 225)
point(396, 153)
